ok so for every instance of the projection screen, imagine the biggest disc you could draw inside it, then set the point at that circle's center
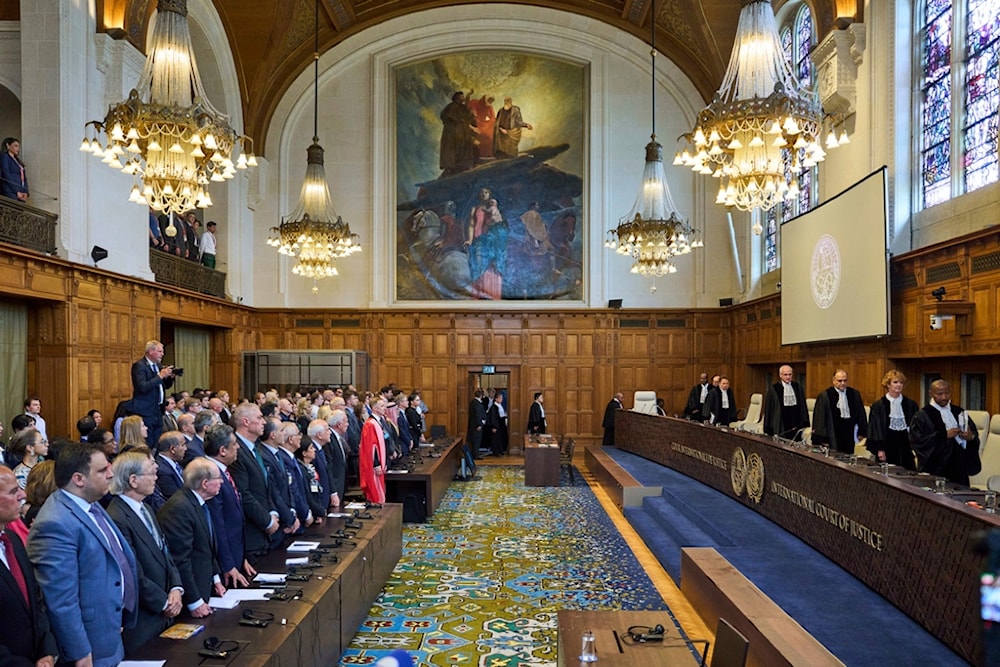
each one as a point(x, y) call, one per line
point(835, 267)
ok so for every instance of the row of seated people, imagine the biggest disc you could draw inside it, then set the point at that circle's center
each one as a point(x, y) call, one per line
point(940, 438)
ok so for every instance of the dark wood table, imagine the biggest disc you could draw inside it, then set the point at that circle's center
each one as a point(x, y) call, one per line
point(541, 460)
point(620, 651)
point(314, 629)
point(429, 477)
point(909, 544)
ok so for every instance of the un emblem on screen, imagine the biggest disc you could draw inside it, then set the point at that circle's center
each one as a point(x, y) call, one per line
point(825, 271)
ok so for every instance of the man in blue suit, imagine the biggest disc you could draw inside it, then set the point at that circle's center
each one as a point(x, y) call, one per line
point(227, 508)
point(85, 567)
point(169, 473)
point(278, 482)
point(150, 382)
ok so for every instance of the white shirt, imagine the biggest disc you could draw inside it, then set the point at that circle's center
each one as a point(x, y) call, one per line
point(208, 243)
point(39, 424)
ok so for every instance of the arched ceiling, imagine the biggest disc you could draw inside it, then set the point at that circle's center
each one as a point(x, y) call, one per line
point(272, 40)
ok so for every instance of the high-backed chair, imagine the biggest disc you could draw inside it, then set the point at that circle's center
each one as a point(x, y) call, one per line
point(861, 448)
point(731, 646)
point(810, 408)
point(752, 418)
point(981, 419)
point(645, 402)
point(989, 453)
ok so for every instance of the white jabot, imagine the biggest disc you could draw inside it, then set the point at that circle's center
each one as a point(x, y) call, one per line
point(897, 420)
point(704, 392)
point(789, 395)
point(948, 417)
point(725, 400)
point(845, 410)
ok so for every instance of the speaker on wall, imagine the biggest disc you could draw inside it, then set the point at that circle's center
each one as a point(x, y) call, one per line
point(614, 303)
point(728, 301)
point(97, 253)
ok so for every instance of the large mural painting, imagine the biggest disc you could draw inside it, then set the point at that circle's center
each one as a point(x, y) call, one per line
point(490, 159)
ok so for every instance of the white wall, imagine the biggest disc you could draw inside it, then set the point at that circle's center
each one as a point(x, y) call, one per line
point(356, 127)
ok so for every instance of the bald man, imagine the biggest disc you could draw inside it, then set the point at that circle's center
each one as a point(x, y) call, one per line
point(944, 438)
point(785, 413)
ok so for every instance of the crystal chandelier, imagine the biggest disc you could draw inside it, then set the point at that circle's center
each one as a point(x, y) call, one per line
point(652, 233)
point(167, 135)
point(760, 124)
point(313, 233)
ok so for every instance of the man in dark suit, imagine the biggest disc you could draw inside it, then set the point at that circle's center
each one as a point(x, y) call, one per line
point(351, 401)
point(84, 565)
point(169, 474)
point(278, 481)
point(614, 405)
point(187, 524)
point(477, 424)
point(536, 415)
point(25, 639)
point(319, 433)
point(150, 382)
point(196, 444)
point(694, 409)
point(261, 519)
point(298, 488)
point(227, 508)
point(160, 588)
point(337, 455)
point(944, 439)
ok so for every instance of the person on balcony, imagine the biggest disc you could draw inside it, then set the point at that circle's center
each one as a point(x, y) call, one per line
point(13, 180)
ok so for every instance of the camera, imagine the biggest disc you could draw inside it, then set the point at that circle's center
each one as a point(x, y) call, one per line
point(178, 372)
point(937, 323)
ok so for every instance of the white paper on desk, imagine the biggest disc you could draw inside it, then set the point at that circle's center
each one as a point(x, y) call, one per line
point(270, 578)
point(302, 545)
point(247, 594)
point(356, 506)
point(339, 515)
point(297, 561)
point(142, 663)
point(223, 603)
point(397, 472)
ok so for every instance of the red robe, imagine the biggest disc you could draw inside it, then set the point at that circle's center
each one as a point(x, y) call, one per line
point(372, 442)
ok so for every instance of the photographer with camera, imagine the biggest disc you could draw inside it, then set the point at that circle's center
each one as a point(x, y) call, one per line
point(150, 382)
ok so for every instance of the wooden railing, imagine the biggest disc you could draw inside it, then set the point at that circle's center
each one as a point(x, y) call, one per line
point(173, 270)
point(27, 226)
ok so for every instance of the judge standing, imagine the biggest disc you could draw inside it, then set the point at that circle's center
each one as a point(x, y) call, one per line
point(889, 423)
point(720, 407)
point(614, 405)
point(536, 415)
point(839, 419)
point(785, 413)
point(944, 438)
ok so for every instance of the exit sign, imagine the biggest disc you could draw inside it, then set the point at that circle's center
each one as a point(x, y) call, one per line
point(489, 370)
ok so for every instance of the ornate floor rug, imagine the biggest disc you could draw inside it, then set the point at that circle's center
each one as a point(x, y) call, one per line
point(481, 582)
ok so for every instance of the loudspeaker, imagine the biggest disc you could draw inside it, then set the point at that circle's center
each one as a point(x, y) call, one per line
point(726, 302)
point(97, 253)
point(614, 303)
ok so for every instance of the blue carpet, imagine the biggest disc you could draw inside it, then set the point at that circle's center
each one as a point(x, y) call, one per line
point(855, 623)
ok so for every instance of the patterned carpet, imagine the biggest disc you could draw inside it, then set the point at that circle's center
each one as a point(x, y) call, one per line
point(480, 584)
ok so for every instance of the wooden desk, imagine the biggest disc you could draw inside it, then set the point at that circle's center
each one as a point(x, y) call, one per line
point(541, 460)
point(319, 625)
point(430, 476)
point(905, 542)
point(673, 651)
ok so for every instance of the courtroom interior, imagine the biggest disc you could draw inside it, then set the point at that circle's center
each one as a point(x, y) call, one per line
point(442, 197)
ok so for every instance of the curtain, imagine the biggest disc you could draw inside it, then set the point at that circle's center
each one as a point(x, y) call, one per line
point(13, 361)
point(191, 352)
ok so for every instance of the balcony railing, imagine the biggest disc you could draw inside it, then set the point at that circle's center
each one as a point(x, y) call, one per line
point(27, 226)
point(173, 270)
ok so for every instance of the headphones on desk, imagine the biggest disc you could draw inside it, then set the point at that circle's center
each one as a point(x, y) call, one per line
point(644, 633)
point(256, 619)
point(218, 649)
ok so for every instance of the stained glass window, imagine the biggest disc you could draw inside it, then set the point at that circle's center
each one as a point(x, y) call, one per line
point(959, 49)
point(797, 41)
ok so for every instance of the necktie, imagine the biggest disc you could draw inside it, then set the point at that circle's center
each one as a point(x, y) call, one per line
point(232, 483)
point(208, 521)
point(260, 462)
point(147, 518)
point(15, 566)
point(343, 446)
point(129, 594)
